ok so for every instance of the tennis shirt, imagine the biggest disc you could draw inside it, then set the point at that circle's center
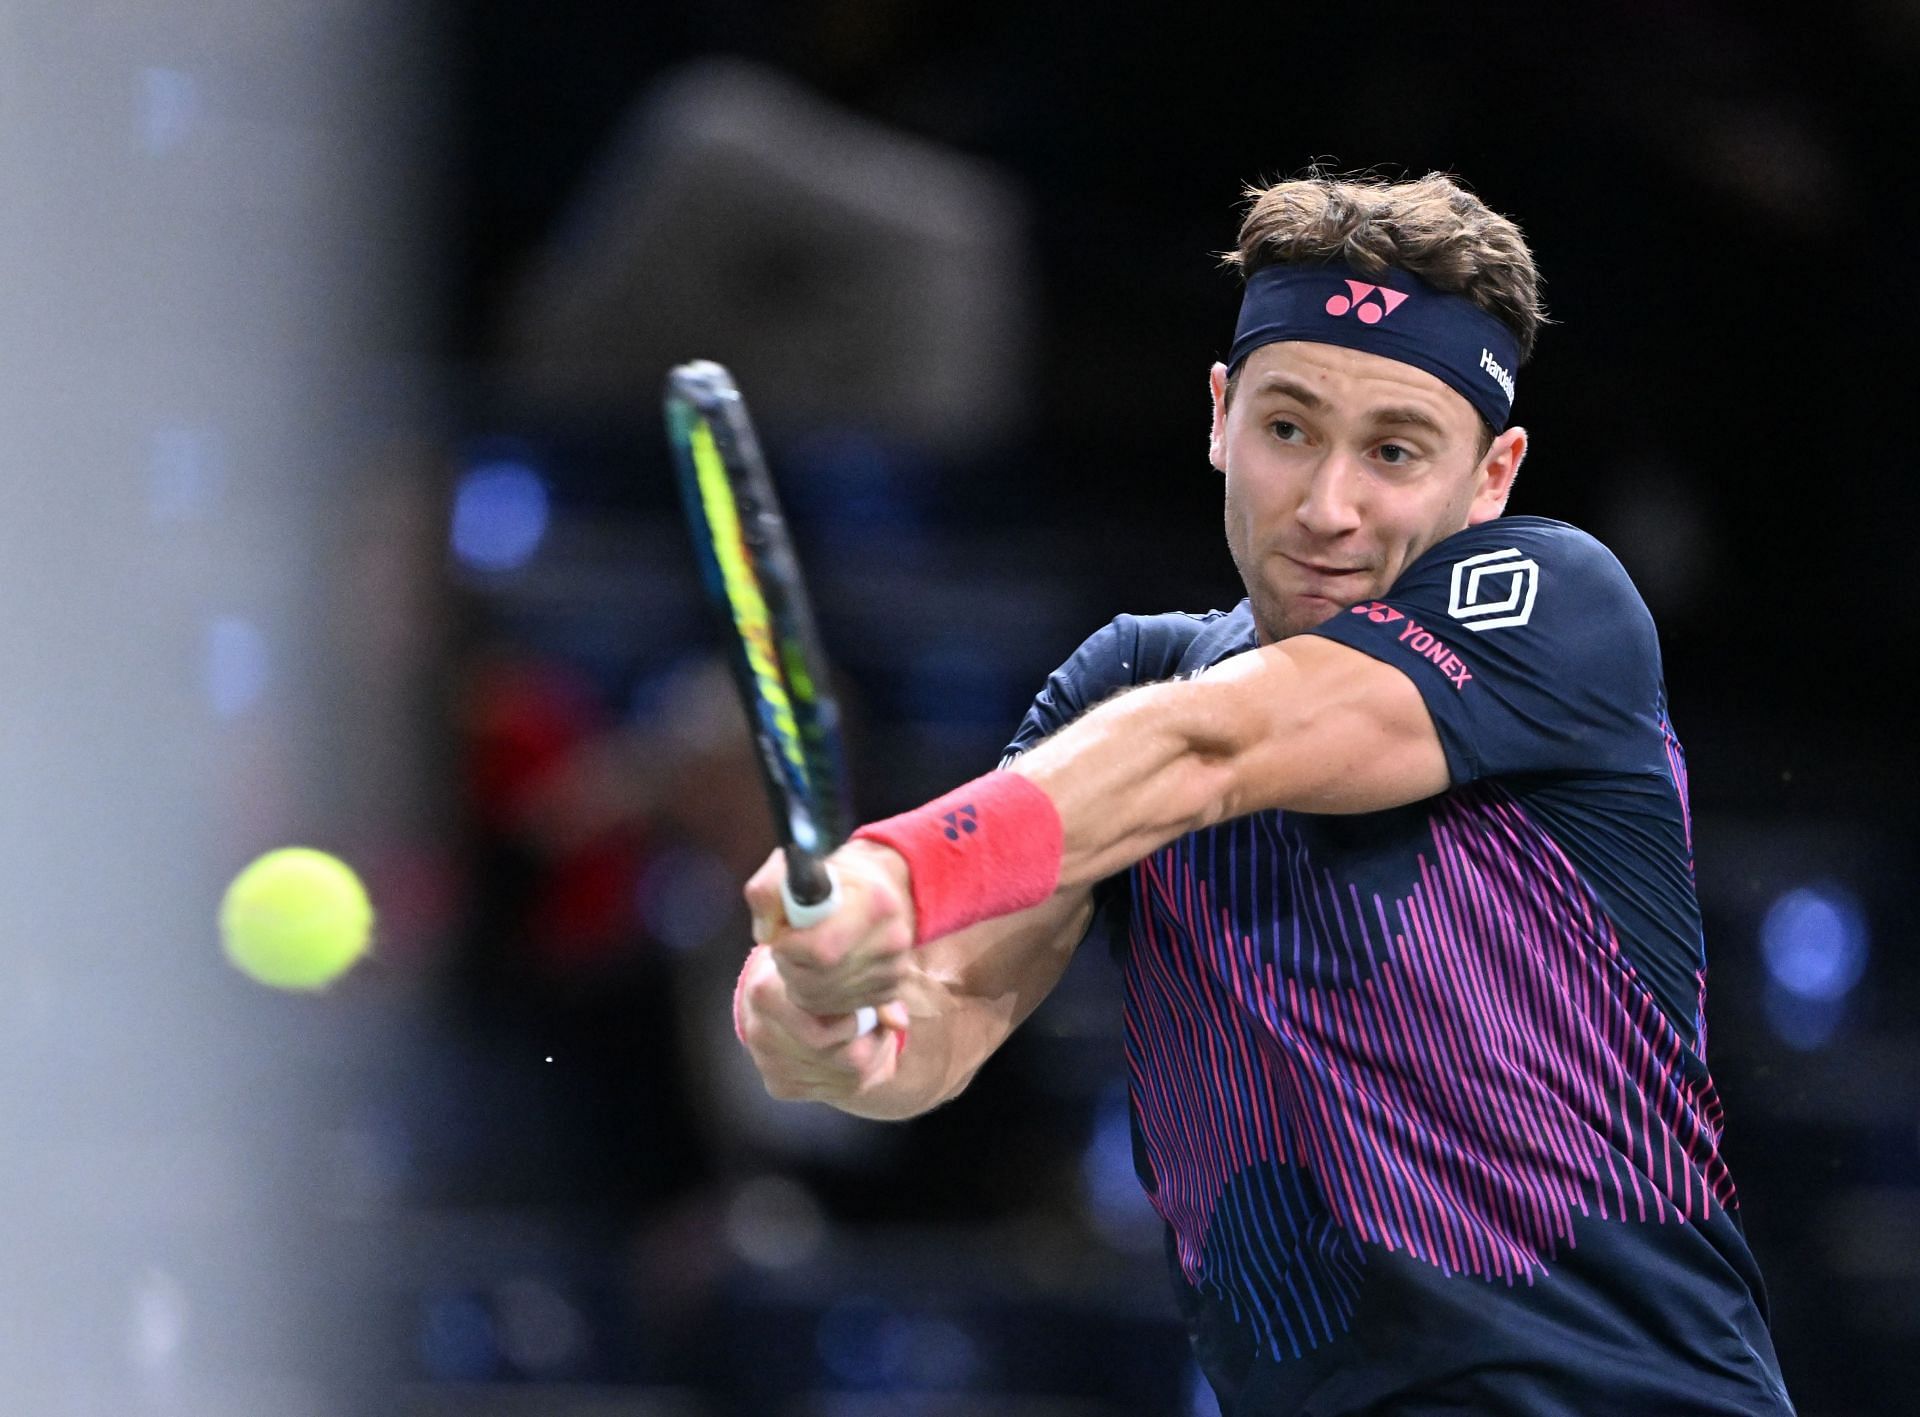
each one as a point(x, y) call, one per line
point(1422, 1094)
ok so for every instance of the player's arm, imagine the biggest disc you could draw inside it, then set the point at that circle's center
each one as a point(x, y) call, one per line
point(959, 998)
point(1307, 725)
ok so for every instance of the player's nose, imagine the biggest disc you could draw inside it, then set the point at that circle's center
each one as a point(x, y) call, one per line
point(1329, 504)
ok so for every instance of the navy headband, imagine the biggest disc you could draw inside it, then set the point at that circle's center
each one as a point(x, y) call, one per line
point(1393, 314)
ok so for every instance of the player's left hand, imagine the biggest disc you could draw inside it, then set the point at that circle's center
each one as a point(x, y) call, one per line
point(860, 955)
point(803, 1058)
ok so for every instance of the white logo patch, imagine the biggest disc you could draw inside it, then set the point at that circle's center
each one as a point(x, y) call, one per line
point(1493, 590)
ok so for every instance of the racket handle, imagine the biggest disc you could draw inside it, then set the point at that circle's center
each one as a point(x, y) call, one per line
point(800, 915)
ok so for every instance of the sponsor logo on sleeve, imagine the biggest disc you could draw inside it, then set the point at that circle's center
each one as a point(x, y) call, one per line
point(1494, 590)
point(1420, 640)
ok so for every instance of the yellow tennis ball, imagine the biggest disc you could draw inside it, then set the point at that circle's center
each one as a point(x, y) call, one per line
point(296, 919)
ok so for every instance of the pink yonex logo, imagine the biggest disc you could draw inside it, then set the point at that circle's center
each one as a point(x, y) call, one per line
point(1364, 311)
point(1420, 640)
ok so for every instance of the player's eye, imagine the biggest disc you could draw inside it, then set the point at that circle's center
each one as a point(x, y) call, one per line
point(1395, 455)
point(1284, 430)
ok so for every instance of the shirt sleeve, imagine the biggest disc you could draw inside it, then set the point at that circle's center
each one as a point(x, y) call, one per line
point(1531, 647)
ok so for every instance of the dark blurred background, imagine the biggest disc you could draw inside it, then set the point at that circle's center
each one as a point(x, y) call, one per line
point(964, 259)
point(1027, 202)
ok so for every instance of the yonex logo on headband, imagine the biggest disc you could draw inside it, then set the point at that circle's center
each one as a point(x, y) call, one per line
point(1367, 314)
point(1391, 313)
point(1500, 376)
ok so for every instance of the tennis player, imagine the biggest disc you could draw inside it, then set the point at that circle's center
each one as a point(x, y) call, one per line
point(1397, 860)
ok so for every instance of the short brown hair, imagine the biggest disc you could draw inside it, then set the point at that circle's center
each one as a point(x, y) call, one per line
point(1433, 227)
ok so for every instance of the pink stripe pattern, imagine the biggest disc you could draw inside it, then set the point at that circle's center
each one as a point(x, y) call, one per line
point(1456, 1074)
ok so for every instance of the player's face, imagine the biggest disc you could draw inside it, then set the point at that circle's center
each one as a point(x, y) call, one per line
point(1342, 468)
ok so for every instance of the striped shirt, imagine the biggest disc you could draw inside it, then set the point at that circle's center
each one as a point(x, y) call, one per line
point(1422, 1094)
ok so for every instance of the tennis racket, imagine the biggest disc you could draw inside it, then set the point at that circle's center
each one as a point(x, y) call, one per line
point(753, 579)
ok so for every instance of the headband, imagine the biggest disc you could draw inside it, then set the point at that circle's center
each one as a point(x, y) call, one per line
point(1396, 315)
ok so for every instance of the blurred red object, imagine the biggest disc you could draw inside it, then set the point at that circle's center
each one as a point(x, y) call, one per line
point(542, 783)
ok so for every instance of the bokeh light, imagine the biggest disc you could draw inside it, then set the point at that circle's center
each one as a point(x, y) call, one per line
point(775, 1223)
point(1814, 941)
point(1115, 1203)
point(236, 665)
point(500, 512)
point(457, 1339)
point(1802, 1022)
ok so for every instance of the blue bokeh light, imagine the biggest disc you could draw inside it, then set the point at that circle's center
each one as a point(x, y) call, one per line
point(457, 1340)
point(847, 478)
point(1201, 1401)
point(1115, 1203)
point(1106, 1168)
point(1803, 1023)
point(937, 1353)
point(868, 1346)
point(857, 1341)
point(1814, 941)
point(500, 514)
point(168, 109)
point(234, 670)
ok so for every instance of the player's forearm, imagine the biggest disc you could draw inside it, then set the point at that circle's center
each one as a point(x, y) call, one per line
point(1143, 769)
point(1124, 780)
point(1316, 727)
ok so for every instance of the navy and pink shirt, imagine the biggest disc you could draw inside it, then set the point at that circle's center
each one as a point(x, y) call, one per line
point(1422, 1094)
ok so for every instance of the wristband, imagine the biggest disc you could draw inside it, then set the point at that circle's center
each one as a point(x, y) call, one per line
point(990, 847)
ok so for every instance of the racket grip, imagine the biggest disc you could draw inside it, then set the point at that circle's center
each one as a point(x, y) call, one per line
point(800, 914)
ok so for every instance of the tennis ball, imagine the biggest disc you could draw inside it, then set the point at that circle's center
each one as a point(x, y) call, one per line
point(296, 919)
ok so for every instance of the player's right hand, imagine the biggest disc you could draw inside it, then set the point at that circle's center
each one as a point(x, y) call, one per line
point(804, 1057)
point(861, 955)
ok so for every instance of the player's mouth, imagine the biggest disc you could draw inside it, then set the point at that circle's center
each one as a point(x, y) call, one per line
point(1326, 580)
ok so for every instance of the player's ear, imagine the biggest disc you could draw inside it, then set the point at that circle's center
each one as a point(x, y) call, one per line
point(1494, 477)
point(1217, 441)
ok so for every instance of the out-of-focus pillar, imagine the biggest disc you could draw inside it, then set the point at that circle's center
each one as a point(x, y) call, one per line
point(208, 218)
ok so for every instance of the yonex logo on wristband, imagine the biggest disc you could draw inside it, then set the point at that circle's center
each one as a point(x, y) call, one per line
point(1363, 311)
point(965, 820)
point(1477, 581)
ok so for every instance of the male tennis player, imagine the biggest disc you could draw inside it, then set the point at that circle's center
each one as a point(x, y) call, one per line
point(1398, 859)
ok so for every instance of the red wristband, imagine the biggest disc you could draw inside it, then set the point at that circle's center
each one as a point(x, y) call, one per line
point(989, 847)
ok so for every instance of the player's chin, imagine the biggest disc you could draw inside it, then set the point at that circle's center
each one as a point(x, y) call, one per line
point(1296, 613)
point(1316, 610)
